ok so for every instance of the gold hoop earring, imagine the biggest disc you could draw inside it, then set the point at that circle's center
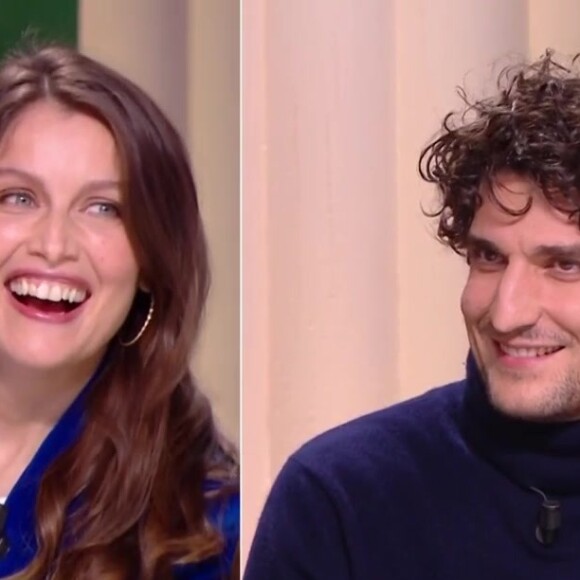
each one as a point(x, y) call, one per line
point(144, 326)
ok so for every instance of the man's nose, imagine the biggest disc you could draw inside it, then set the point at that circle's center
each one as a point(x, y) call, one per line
point(517, 303)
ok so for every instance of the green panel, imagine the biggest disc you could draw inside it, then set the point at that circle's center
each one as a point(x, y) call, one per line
point(46, 19)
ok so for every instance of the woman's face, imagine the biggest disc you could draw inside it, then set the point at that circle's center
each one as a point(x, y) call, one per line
point(68, 271)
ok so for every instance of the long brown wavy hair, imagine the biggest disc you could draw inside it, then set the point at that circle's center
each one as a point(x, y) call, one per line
point(531, 126)
point(150, 445)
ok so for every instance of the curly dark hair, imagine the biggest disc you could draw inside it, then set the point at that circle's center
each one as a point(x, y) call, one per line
point(531, 127)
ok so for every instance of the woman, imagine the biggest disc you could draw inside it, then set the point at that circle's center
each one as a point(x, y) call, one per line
point(110, 463)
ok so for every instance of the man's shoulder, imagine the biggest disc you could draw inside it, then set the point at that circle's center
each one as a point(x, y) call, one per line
point(396, 437)
point(336, 498)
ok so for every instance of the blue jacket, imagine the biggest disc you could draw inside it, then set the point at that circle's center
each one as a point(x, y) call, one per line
point(19, 529)
point(441, 487)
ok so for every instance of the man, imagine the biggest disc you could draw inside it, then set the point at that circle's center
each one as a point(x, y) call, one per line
point(479, 479)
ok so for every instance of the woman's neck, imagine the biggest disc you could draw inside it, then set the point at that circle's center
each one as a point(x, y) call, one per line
point(31, 403)
point(31, 396)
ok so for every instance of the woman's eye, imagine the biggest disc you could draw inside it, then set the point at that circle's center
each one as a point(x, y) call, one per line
point(17, 199)
point(104, 208)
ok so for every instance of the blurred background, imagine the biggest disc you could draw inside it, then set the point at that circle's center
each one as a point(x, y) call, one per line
point(348, 302)
point(185, 54)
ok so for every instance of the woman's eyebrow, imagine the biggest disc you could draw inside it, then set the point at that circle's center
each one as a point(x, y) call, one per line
point(23, 174)
point(99, 184)
point(89, 187)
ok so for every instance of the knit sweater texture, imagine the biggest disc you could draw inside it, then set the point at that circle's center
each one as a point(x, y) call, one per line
point(440, 487)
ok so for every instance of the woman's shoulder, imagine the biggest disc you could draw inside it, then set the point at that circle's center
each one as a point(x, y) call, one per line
point(223, 513)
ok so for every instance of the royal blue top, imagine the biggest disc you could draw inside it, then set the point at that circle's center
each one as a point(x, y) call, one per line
point(19, 529)
point(435, 488)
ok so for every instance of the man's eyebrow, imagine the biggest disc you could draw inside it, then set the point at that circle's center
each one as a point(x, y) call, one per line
point(472, 242)
point(558, 250)
point(541, 251)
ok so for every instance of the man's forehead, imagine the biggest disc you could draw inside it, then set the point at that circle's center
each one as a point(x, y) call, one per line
point(509, 187)
point(509, 190)
point(509, 199)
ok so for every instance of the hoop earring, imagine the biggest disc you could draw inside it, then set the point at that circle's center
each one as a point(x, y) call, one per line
point(144, 326)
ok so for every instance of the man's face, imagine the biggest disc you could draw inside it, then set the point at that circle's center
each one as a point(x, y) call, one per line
point(521, 302)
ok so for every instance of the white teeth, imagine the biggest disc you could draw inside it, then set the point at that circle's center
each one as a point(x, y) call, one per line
point(16, 287)
point(53, 291)
point(42, 291)
point(529, 352)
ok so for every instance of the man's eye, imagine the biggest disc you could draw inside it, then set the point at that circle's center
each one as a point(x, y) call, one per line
point(567, 266)
point(483, 256)
point(489, 256)
point(17, 199)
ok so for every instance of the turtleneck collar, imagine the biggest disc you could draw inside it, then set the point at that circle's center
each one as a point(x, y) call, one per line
point(541, 455)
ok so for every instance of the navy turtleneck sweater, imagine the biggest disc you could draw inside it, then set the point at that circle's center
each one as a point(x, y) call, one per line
point(437, 488)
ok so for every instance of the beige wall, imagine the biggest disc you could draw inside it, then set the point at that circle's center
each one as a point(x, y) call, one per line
point(348, 302)
point(185, 53)
point(554, 24)
point(256, 367)
point(214, 136)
